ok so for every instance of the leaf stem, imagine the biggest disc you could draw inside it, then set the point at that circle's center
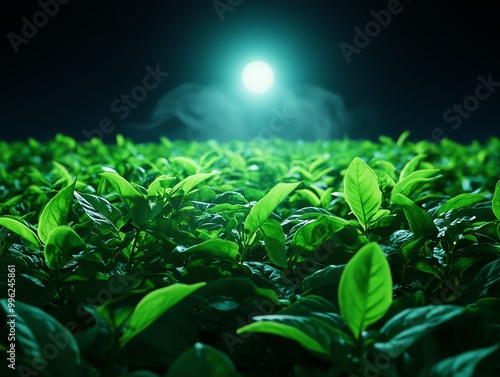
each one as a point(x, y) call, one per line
point(112, 359)
point(132, 251)
point(359, 352)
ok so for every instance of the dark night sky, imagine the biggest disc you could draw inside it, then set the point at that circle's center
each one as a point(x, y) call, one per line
point(427, 58)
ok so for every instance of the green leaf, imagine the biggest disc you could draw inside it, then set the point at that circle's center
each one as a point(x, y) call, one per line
point(386, 167)
point(117, 311)
point(406, 327)
point(486, 283)
point(20, 229)
point(402, 138)
point(241, 289)
point(63, 171)
point(311, 197)
point(326, 227)
point(385, 182)
point(140, 209)
point(264, 207)
point(89, 204)
point(365, 289)
point(203, 360)
point(303, 330)
point(411, 166)
point(330, 275)
point(420, 221)
point(410, 248)
point(62, 241)
point(121, 185)
point(307, 213)
point(56, 212)
point(463, 365)
point(301, 172)
point(312, 304)
point(190, 182)
point(154, 305)
point(496, 201)
point(188, 164)
point(414, 181)
point(362, 192)
point(159, 185)
point(42, 341)
point(216, 248)
point(202, 194)
point(274, 242)
point(460, 201)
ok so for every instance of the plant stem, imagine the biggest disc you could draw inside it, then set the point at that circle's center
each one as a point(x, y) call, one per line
point(112, 358)
point(359, 352)
point(132, 251)
point(244, 253)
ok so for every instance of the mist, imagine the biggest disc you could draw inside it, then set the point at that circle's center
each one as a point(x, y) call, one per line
point(204, 112)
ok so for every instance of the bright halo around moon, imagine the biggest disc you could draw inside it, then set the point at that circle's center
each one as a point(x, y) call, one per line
point(258, 77)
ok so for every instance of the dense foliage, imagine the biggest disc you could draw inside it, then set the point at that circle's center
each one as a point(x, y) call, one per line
point(338, 258)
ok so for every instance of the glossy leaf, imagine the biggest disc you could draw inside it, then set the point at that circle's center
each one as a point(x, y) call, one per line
point(420, 221)
point(215, 248)
point(362, 192)
point(460, 201)
point(62, 241)
point(94, 206)
point(42, 340)
point(365, 288)
point(122, 186)
point(56, 212)
point(408, 326)
point(463, 365)
point(190, 182)
point(313, 233)
point(154, 305)
point(20, 229)
point(188, 164)
point(160, 185)
point(411, 166)
point(410, 183)
point(486, 282)
point(274, 242)
point(496, 201)
point(203, 360)
point(300, 329)
point(264, 207)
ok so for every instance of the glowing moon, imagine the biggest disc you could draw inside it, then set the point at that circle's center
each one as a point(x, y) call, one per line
point(258, 77)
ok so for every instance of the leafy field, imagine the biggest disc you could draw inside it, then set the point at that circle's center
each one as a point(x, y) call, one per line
point(339, 258)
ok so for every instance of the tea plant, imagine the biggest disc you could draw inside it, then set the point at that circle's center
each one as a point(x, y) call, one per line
point(332, 258)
